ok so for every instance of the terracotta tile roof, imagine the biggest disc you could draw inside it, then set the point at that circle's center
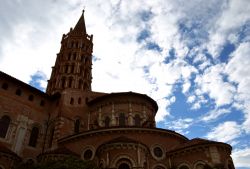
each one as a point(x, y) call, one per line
point(196, 142)
point(61, 150)
point(4, 149)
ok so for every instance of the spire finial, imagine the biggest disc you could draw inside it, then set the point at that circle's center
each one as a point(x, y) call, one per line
point(80, 26)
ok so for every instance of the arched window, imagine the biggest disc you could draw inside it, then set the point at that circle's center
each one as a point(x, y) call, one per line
point(77, 126)
point(122, 119)
point(34, 136)
point(184, 167)
point(18, 92)
point(79, 100)
point(71, 101)
point(124, 166)
point(4, 125)
point(137, 120)
point(31, 98)
point(70, 82)
point(5, 86)
point(80, 84)
point(63, 82)
point(107, 121)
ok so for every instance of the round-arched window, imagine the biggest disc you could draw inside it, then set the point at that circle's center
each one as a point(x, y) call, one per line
point(184, 167)
point(88, 154)
point(123, 166)
point(158, 152)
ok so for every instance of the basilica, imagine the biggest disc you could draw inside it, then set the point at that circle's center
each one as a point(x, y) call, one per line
point(114, 130)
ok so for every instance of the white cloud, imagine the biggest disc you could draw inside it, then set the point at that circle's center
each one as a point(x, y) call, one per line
point(241, 157)
point(214, 114)
point(180, 125)
point(238, 71)
point(212, 83)
point(225, 132)
point(224, 28)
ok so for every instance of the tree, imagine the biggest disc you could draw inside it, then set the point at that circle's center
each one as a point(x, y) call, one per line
point(70, 162)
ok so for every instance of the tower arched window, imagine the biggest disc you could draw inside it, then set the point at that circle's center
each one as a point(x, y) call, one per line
point(79, 100)
point(70, 82)
point(107, 121)
point(71, 101)
point(4, 125)
point(34, 136)
point(77, 126)
point(80, 84)
point(69, 56)
point(122, 119)
point(72, 68)
point(137, 120)
point(63, 82)
point(74, 56)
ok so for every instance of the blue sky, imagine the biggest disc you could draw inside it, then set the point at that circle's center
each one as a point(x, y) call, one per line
point(192, 57)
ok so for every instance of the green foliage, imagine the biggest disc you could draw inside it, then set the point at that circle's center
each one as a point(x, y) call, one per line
point(67, 163)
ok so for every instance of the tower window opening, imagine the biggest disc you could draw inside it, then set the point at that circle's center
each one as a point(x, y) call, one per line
point(18, 92)
point(79, 100)
point(4, 125)
point(77, 45)
point(72, 69)
point(82, 57)
point(71, 101)
point(69, 56)
point(80, 84)
point(66, 68)
point(62, 83)
point(70, 82)
point(74, 56)
point(5, 86)
point(33, 137)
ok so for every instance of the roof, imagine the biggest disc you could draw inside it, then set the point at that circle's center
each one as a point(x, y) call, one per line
point(80, 28)
point(196, 142)
point(22, 84)
point(124, 94)
point(5, 150)
point(60, 150)
point(121, 139)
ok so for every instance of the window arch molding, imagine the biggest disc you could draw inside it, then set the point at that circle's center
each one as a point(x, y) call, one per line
point(34, 135)
point(183, 166)
point(199, 164)
point(120, 158)
point(159, 166)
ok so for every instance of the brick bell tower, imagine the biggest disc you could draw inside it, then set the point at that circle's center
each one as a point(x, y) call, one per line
point(72, 69)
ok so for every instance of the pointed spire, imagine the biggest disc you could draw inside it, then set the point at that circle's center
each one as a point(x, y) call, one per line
point(80, 27)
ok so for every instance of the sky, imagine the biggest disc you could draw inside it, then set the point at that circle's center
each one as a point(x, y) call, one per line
point(192, 57)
